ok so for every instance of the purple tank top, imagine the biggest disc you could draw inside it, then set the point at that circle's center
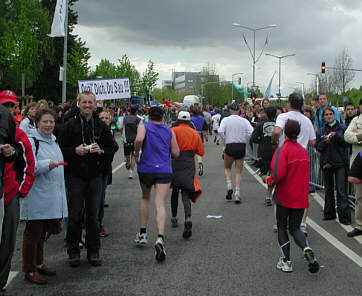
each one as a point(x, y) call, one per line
point(156, 155)
point(198, 122)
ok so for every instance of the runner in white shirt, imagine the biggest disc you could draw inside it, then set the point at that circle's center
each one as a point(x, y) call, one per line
point(235, 131)
point(307, 136)
point(215, 119)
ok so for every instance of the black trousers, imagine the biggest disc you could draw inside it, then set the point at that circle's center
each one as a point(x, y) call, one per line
point(84, 194)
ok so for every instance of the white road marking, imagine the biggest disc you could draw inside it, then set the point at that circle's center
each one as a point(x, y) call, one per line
point(118, 167)
point(325, 234)
point(12, 275)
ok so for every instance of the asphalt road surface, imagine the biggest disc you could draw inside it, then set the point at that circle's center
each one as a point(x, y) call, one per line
point(233, 255)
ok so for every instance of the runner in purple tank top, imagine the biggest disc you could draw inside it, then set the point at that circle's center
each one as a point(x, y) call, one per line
point(158, 143)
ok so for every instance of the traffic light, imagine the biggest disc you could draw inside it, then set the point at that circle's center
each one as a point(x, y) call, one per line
point(323, 67)
point(253, 96)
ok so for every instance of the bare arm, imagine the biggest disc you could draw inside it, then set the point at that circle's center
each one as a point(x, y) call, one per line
point(175, 150)
point(141, 133)
point(311, 142)
point(275, 136)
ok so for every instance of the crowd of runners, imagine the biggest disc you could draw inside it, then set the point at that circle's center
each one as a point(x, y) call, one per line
point(66, 152)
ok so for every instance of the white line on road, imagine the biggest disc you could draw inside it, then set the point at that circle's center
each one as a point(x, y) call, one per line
point(12, 275)
point(325, 234)
point(118, 167)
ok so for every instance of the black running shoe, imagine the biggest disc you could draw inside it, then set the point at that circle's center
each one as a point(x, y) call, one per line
point(313, 265)
point(187, 230)
point(229, 194)
point(160, 250)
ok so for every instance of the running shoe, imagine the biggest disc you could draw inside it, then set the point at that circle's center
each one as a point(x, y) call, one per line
point(268, 201)
point(201, 169)
point(285, 266)
point(313, 265)
point(160, 250)
point(174, 222)
point(214, 139)
point(237, 198)
point(130, 174)
point(187, 230)
point(275, 228)
point(229, 194)
point(141, 239)
point(217, 142)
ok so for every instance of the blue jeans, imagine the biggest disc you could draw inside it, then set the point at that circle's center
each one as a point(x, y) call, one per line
point(84, 194)
point(336, 178)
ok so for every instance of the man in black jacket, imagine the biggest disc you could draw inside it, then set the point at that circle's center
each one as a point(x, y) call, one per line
point(87, 146)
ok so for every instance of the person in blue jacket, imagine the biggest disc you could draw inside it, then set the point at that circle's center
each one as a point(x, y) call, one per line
point(323, 103)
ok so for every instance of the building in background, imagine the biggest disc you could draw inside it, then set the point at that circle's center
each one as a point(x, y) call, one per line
point(166, 83)
point(187, 81)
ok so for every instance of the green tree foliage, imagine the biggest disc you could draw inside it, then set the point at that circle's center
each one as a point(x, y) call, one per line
point(168, 93)
point(126, 69)
point(77, 68)
point(149, 79)
point(105, 69)
point(23, 42)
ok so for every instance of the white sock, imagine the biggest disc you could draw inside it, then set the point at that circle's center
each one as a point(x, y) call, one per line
point(229, 184)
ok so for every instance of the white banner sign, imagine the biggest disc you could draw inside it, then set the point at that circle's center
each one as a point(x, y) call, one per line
point(58, 29)
point(106, 89)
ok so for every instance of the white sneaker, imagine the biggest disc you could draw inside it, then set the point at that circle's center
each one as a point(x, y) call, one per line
point(160, 250)
point(286, 266)
point(141, 239)
point(130, 174)
point(237, 197)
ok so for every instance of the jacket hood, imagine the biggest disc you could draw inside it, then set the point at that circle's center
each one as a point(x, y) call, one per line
point(43, 137)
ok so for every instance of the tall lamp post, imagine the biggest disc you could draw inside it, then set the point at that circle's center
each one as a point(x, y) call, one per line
point(255, 60)
point(280, 60)
point(316, 81)
point(302, 84)
point(232, 81)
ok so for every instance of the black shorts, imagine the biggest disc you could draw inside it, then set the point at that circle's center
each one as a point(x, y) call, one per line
point(150, 179)
point(128, 148)
point(235, 150)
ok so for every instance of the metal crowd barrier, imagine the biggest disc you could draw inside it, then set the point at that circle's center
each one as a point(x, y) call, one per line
point(316, 175)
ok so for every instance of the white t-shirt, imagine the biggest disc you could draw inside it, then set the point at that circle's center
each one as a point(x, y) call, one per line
point(235, 129)
point(120, 126)
point(215, 121)
point(307, 132)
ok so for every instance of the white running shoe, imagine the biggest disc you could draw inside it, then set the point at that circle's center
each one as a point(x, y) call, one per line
point(160, 250)
point(141, 239)
point(130, 174)
point(285, 266)
point(237, 197)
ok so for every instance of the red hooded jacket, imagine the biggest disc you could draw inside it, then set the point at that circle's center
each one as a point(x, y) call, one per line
point(290, 175)
point(11, 186)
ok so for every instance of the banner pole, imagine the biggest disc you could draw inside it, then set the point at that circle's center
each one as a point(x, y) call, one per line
point(65, 51)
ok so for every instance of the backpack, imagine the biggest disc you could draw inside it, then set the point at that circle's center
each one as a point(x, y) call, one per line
point(130, 123)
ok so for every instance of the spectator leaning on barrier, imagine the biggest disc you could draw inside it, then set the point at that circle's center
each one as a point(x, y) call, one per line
point(334, 161)
point(323, 103)
point(353, 135)
point(87, 146)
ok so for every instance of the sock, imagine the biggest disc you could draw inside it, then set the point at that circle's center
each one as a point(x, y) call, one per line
point(237, 189)
point(161, 236)
point(229, 185)
point(142, 230)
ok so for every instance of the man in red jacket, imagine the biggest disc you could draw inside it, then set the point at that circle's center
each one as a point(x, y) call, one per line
point(290, 176)
point(18, 179)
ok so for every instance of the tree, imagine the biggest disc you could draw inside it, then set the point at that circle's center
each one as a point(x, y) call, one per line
point(126, 69)
point(343, 77)
point(105, 69)
point(22, 43)
point(149, 79)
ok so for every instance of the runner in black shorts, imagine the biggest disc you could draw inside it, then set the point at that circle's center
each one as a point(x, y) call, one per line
point(235, 150)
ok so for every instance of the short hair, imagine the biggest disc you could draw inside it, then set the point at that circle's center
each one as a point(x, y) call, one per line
point(39, 114)
point(349, 104)
point(271, 112)
point(85, 93)
point(257, 103)
point(309, 109)
point(27, 108)
point(292, 129)
point(43, 102)
point(295, 100)
point(323, 94)
point(156, 113)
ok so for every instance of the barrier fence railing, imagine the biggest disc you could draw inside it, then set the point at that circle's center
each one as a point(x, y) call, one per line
point(316, 175)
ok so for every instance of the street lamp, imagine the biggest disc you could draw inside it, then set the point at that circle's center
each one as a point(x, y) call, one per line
point(232, 81)
point(316, 81)
point(302, 83)
point(280, 59)
point(255, 60)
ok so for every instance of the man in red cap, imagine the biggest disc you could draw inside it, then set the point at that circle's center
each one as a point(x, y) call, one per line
point(18, 177)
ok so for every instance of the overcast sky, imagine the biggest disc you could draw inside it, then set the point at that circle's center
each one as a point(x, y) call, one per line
point(188, 34)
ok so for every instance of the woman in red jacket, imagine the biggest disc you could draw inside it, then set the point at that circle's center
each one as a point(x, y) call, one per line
point(290, 176)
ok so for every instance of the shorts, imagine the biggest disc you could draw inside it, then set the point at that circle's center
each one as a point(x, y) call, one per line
point(215, 131)
point(150, 179)
point(264, 166)
point(235, 150)
point(128, 148)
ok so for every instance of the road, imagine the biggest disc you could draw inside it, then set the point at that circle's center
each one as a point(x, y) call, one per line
point(233, 255)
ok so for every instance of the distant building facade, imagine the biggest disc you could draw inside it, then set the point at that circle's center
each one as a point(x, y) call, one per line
point(186, 81)
point(166, 83)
